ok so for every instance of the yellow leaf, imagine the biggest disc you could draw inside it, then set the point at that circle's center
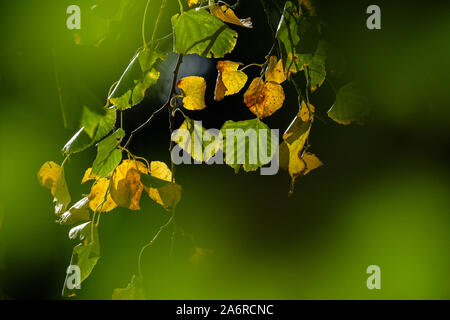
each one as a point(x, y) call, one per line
point(295, 138)
point(312, 162)
point(193, 90)
point(97, 200)
point(169, 195)
point(229, 81)
point(275, 71)
point(126, 187)
point(264, 99)
point(227, 15)
point(192, 2)
point(88, 176)
point(306, 112)
point(51, 176)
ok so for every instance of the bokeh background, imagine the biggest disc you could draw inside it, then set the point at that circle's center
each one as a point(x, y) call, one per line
point(382, 197)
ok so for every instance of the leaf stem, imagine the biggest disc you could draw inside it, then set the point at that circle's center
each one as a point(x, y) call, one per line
point(181, 7)
point(158, 20)
point(143, 24)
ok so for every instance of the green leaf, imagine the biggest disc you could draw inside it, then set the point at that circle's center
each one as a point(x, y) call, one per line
point(195, 140)
point(84, 138)
point(140, 75)
point(77, 213)
point(299, 37)
point(197, 31)
point(108, 156)
point(350, 106)
point(86, 254)
point(252, 141)
point(133, 291)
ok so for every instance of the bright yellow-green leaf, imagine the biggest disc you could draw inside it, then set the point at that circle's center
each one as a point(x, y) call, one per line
point(51, 176)
point(169, 195)
point(100, 197)
point(275, 71)
point(126, 187)
point(193, 90)
point(229, 80)
point(226, 14)
point(306, 112)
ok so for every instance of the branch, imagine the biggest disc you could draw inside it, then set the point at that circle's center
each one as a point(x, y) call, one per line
point(165, 106)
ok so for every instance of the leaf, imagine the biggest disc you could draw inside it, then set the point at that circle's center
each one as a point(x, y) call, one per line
point(169, 195)
point(81, 232)
point(226, 14)
point(77, 213)
point(299, 35)
point(192, 2)
point(140, 75)
point(229, 80)
point(247, 143)
point(197, 31)
point(100, 199)
point(193, 90)
point(91, 121)
point(196, 142)
point(133, 291)
point(292, 153)
point(51, 176)
point(306, 112)
point(350, 106)
point(108, 157)
point(264, 99)
point(126, 186)
point(275, 71)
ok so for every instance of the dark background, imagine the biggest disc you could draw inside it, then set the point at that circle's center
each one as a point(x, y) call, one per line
point(381, 198)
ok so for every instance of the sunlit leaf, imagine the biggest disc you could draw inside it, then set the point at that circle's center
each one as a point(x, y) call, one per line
point(100, 197)
point(91, 122)
point(197, 31)
point(248, 144)
point(229, 80)
point(275, 71)
point(51, 176)
point(193, 90)
point(226, 14)
point(108, 156)
point(169, 195)
point(197, 141)
point(140, 75)
point(306, 112)
point(264, 99)
point(350, 106)
point(77, 213)
point(126, 187)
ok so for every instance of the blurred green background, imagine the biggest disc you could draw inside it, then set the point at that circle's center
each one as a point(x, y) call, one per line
point(382, 197)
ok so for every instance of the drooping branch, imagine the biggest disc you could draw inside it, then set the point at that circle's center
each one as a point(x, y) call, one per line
point(164, 107)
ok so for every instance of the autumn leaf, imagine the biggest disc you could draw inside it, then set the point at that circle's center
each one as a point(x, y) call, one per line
point(275, 71)
point(264, 99)
point(51, 176)
point(306, 111)
point(193, 90)
point(229, 80)
point(192, 2)
point(126, 186)
point(312, 162)
point(226, 14)
point(169, 195)
point(100, 197)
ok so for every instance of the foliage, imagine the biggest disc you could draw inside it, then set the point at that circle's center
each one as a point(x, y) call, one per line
point(298, 58)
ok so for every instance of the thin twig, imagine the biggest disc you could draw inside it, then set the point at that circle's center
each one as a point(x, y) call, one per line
point(165, 106)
